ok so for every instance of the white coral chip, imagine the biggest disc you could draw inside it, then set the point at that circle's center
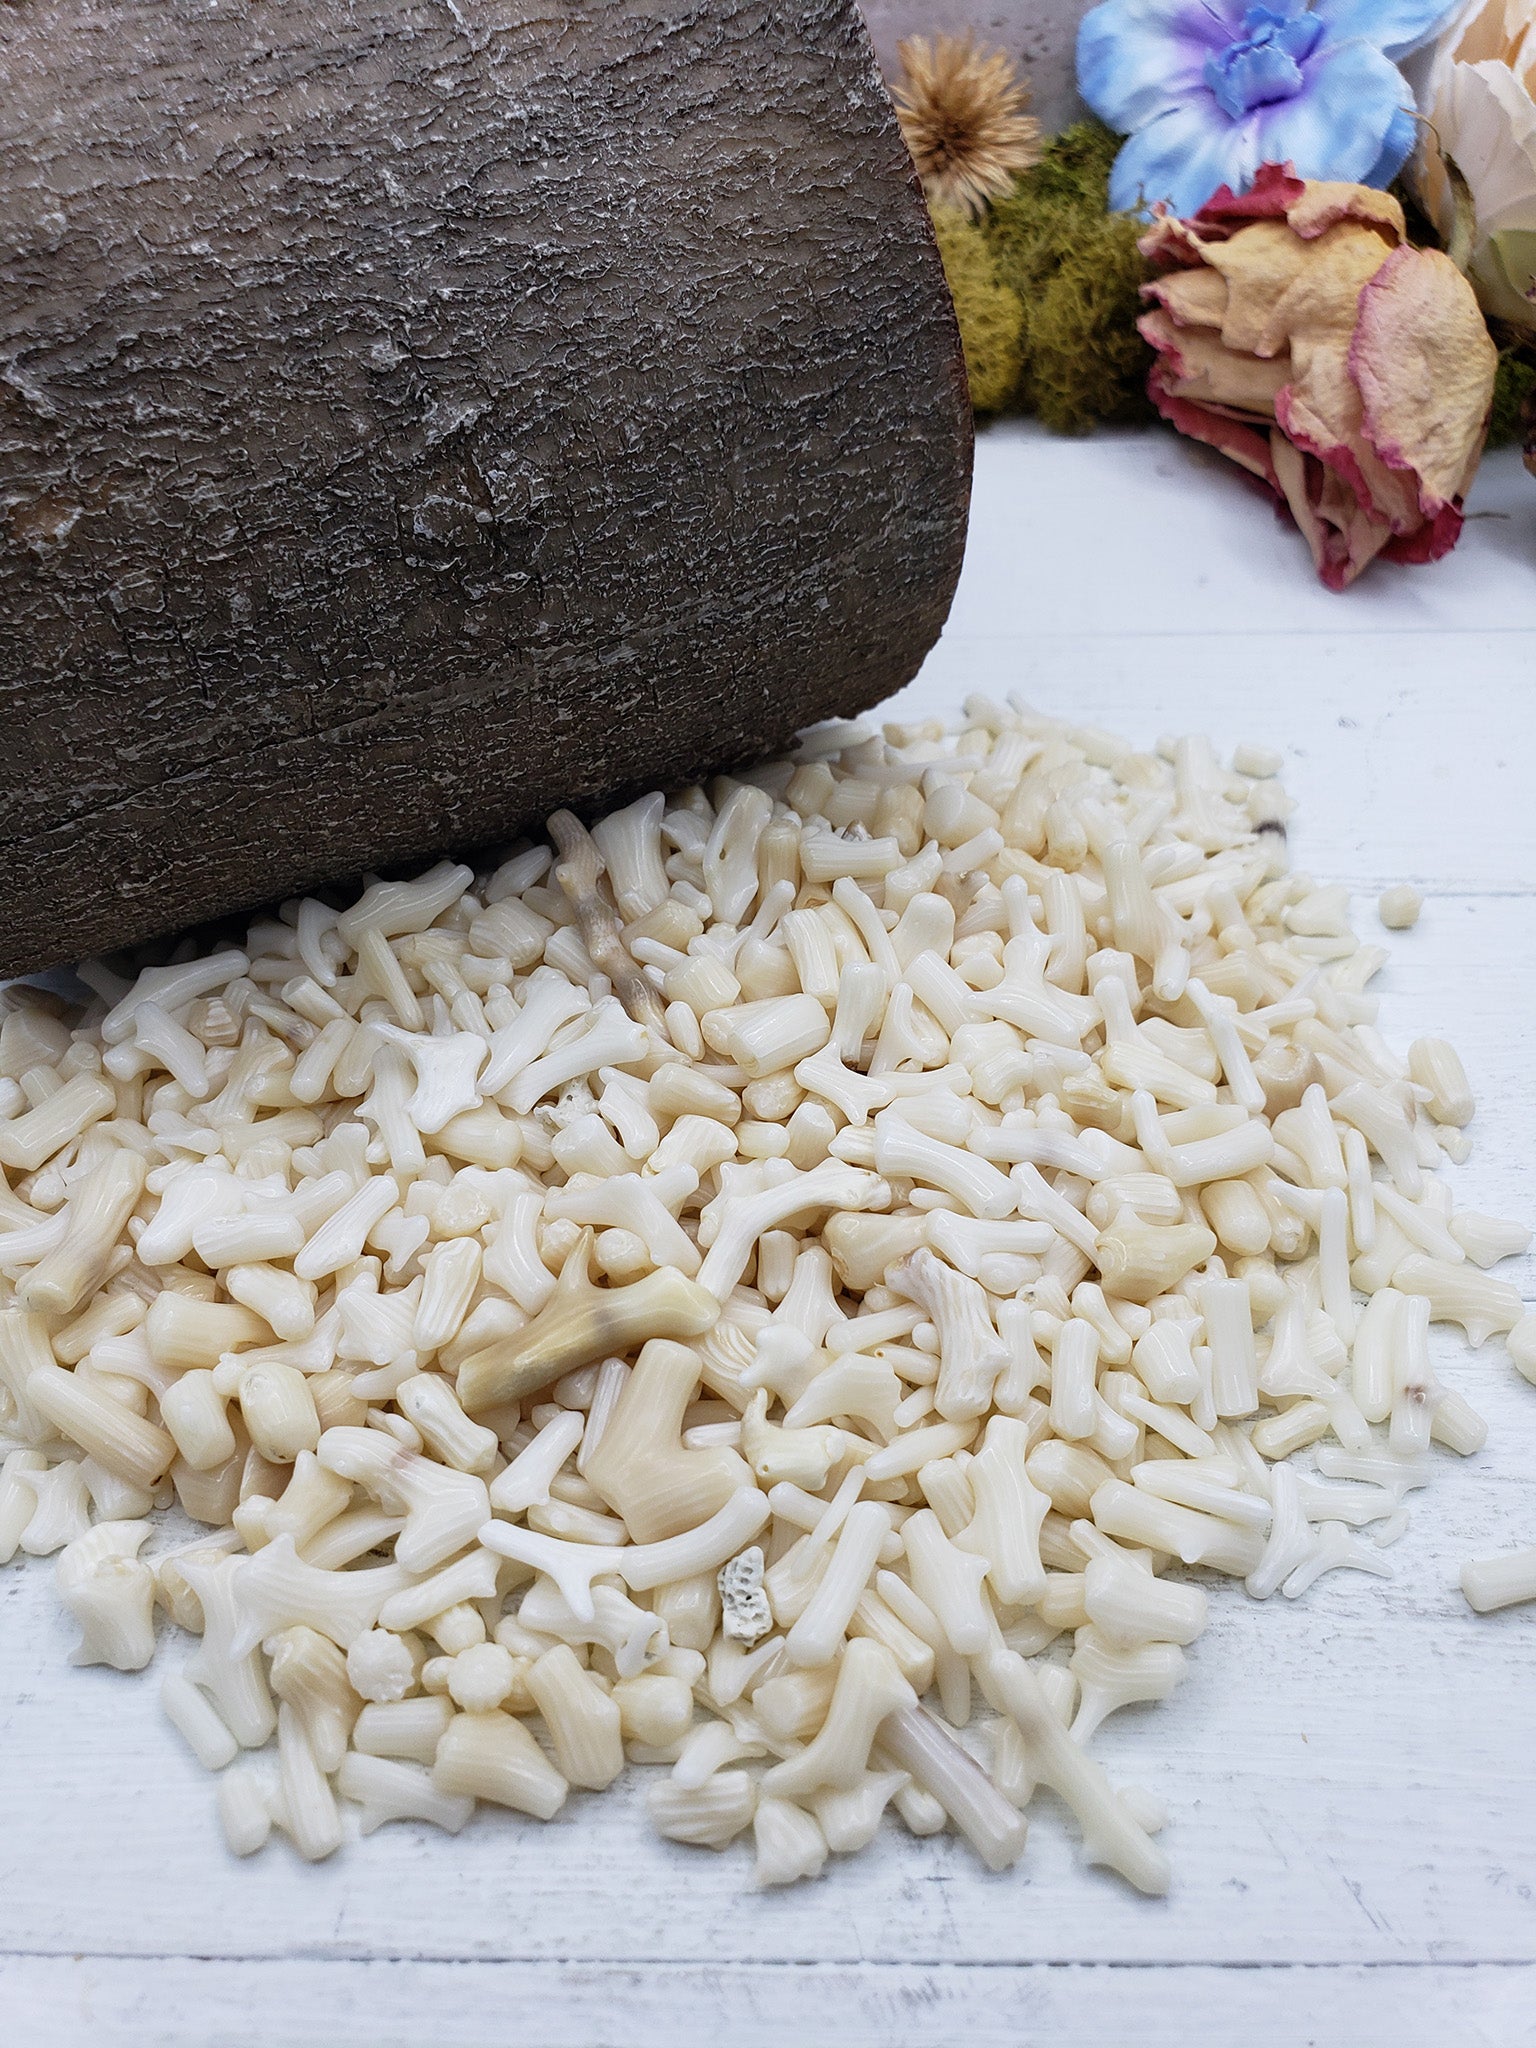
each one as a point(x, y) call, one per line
point(745, 1615)
point(944, 1164)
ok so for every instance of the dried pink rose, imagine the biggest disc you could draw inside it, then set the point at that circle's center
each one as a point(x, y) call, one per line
point(1298, 332)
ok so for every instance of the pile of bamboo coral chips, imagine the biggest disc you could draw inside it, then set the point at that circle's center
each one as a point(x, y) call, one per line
point(726, 1292)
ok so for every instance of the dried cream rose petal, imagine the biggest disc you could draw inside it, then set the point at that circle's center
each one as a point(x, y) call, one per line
point(1369, 358)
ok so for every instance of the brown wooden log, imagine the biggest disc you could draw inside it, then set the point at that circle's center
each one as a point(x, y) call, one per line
point(415, 414)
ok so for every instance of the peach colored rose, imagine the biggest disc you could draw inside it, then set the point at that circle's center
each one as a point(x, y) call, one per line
point(1298, 332)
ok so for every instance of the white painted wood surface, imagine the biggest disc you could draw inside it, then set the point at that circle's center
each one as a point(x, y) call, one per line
point(1350, 1778)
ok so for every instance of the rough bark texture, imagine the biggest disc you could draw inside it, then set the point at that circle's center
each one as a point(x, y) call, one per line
point(415, 414)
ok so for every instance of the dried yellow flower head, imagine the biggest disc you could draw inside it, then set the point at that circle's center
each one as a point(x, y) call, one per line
point(962, 112)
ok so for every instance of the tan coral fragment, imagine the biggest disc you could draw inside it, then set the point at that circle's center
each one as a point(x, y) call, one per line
point(578, 1325)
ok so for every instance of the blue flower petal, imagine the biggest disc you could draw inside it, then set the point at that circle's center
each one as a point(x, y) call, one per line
point(1138, 59)
point(1300, 34)
point(1395, 26)
point(1252, 75)
point(1395, 151)
point(1182, 157)
point(1338, 126)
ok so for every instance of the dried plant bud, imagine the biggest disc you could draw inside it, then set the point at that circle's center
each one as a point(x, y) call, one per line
point(962, 114)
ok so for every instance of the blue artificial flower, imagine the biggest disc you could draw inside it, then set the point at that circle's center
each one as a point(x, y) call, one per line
point(1207, 90)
